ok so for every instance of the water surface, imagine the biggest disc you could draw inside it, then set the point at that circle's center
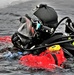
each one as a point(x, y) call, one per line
point(11, 11)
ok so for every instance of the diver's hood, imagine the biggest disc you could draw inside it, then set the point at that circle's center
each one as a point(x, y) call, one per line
point(47, 15)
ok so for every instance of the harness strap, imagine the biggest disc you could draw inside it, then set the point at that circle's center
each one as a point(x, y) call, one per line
point(55, 58)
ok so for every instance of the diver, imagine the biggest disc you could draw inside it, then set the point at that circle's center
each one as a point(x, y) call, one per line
point(41, 32)
point(33, 32)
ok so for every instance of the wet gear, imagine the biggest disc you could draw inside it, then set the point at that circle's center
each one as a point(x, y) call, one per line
point(49, 59)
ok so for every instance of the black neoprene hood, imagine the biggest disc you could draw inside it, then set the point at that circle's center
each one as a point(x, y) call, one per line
point(47, 15)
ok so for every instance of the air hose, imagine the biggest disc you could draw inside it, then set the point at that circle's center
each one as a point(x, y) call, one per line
point(63, 20)
point(66, 50)
point(60, 42)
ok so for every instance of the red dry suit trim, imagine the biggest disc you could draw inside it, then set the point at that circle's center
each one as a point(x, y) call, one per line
point(5, 38)
point(43, 61)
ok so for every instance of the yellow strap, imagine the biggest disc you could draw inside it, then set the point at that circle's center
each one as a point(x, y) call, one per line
point(54, 48)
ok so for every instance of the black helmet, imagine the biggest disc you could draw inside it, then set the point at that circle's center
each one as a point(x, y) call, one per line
point(47, 15)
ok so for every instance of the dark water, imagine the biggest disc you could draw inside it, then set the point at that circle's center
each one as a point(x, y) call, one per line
point(9, 23)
